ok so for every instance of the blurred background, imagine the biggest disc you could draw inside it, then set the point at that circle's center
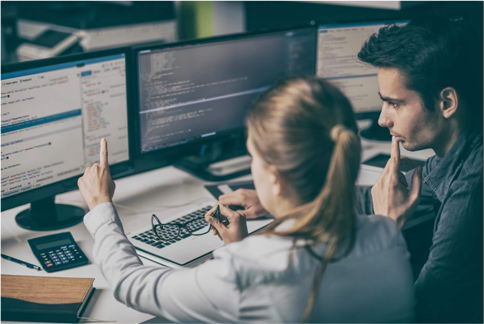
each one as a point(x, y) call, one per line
point(67, 27)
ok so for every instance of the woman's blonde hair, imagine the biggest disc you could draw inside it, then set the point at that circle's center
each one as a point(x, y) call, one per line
point(305, 129)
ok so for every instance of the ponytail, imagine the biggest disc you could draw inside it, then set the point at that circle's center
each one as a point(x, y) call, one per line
point(330, 218)
point(337, 202)
point(305, 129)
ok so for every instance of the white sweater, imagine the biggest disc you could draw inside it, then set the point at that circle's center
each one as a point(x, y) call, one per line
point(255, 281)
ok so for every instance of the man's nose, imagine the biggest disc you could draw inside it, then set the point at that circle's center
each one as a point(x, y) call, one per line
point(385, 120)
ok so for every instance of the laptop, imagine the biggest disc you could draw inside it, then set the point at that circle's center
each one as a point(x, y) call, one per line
point(185, 250)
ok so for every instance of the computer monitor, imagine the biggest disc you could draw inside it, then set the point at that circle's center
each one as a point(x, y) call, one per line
point(54, 113)
point(199, 91)
point(337, 62)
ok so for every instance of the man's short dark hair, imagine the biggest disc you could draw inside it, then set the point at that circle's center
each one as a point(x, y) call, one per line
point(432, 53)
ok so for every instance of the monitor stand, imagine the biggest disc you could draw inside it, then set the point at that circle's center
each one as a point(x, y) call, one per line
point(222, 170)
point(219, 161)
point(376, 133)
point(46, 215)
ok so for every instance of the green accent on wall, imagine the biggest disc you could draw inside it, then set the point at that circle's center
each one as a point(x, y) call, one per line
point(196, 19)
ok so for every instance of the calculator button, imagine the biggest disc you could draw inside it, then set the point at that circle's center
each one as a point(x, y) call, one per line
point(49, 265)
point(57, 263)
point(80, 257)
point(65, 261)
point(42, 254)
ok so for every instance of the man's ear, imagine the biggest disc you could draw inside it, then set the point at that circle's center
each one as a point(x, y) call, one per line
point(449, 102)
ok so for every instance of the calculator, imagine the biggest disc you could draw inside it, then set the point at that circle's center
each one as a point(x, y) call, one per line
point(58, 252)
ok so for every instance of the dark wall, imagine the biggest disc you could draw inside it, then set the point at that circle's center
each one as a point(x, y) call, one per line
point(276, 14)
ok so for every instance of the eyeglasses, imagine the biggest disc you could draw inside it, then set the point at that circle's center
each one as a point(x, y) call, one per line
point(175, 229)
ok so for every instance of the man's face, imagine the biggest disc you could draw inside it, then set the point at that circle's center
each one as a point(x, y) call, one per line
point(404, 113)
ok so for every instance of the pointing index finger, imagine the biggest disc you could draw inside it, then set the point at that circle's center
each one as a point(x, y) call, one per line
point(103, 153)
point(395, 154)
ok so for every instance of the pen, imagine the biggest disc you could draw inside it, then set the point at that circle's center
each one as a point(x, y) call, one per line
point(26, 264)
point(218, 214)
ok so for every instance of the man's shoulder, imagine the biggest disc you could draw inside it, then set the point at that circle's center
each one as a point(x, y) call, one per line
point(473, 164)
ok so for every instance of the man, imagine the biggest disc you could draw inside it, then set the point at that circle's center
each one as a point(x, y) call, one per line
point(430, 79)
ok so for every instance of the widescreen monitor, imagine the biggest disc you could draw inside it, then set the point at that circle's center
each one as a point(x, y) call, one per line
point(54, 113)
point(200, 90)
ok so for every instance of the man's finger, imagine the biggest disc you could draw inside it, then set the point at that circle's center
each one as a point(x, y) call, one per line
point(416, 185)
point(103, 153)
point(395, 157)
point(232, 198)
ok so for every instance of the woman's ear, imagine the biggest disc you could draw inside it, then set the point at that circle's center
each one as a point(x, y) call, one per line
point(275, 181)
point(449, 102)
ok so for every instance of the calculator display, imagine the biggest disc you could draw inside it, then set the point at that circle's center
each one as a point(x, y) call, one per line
point(53, 244)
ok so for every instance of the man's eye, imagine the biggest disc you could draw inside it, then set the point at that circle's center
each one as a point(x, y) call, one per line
point(394, 105)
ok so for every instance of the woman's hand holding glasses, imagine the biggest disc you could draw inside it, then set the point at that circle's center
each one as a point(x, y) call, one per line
point(229, 225)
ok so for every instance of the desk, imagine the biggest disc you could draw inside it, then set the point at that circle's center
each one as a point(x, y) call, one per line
point(143, 194)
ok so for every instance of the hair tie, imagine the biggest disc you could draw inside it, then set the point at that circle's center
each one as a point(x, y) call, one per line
point(335, 131)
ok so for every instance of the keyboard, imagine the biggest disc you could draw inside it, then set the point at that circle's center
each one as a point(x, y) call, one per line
point(196, 219)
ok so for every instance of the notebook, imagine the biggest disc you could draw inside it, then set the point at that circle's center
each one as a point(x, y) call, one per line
point(44, 299)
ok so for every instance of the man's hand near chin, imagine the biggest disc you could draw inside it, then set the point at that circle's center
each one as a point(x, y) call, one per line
point(247, 199)
point(390, 194)
point(96, 185)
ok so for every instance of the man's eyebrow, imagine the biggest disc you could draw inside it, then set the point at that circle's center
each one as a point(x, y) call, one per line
point(390, 99)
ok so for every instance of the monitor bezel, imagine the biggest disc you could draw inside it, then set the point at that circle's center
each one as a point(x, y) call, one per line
point(70, 184)
point(387, 21)
point(178, 150)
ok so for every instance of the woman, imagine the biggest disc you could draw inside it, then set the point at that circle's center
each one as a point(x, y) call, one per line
point(318, 261)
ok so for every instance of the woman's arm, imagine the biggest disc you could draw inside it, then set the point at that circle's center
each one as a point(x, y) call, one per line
point(207, 293)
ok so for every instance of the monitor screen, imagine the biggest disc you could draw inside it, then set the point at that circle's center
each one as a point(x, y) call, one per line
point(337, 62)
point(192, 91)
point(53, 118)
